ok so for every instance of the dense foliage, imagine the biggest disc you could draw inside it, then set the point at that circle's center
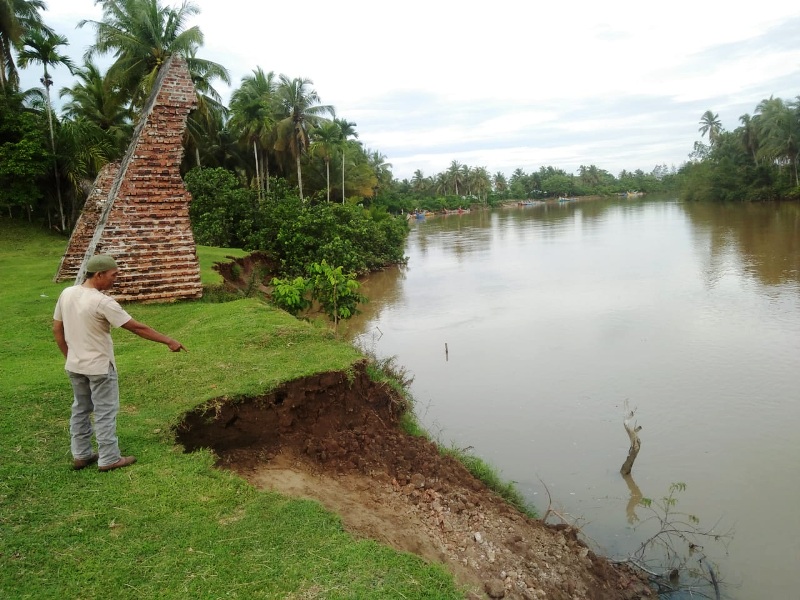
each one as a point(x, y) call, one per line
point(24, 157)
point(756, 161)
point(296, 234)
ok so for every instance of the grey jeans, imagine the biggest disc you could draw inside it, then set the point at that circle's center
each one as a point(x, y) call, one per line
point(98, 394)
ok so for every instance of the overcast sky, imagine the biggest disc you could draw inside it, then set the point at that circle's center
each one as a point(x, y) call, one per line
point(505, 84)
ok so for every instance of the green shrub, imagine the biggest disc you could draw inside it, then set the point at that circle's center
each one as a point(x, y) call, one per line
point(222, 212)
point(336, 292)
point(291, 295)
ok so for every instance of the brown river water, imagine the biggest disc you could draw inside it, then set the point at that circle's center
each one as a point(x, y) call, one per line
point(528, 331)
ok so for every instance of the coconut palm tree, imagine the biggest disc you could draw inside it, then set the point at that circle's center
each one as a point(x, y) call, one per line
point(480, 183)
point(207, 120)
point(325, 140)
point(779, 132)
point(454, 175)
point(441, 183)
point(253, 107)
point(419, 183)
point(466, 179)
point(381, 168)
point(40, 47)
point(94, 98)
point(300, 109)
point(142, 35)
point(84, 148)
point(711, 126)
point(17, 18)
point(499, 182)
point(749, 135)
point(347, 130)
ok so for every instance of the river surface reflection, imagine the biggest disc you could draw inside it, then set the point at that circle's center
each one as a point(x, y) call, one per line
point(553, 317)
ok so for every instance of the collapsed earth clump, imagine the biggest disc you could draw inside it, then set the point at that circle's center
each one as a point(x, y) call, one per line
point(247, 274)
point(335, 437)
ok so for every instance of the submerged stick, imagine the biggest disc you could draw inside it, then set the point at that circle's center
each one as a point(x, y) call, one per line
point(636, 443)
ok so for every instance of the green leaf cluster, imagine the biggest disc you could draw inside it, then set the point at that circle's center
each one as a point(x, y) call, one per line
point(221, 211)
point(291, 295)
point(24, 157)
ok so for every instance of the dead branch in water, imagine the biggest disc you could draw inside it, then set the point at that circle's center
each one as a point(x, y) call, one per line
point(677, 546)
point(633, 433)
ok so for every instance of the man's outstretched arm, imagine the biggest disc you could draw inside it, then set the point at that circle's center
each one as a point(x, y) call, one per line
point(148, 333)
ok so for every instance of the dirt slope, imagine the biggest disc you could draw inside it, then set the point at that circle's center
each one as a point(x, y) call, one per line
point(334, 438)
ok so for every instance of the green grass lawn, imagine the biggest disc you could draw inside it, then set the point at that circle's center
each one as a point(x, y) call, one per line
point(170, 526)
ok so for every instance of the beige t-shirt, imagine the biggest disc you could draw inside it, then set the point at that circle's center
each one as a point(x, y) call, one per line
point(88, 315)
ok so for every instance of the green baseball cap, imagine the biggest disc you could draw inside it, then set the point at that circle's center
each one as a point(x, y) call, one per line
point(101, 262)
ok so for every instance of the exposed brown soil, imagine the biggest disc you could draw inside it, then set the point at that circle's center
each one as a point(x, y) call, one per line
point(247, 274)
point(334, 437)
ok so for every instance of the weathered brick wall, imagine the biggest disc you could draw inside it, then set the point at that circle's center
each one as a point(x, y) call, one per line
point(87, 223)
point(144, 221)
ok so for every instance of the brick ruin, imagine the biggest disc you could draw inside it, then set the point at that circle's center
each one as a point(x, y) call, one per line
point(138, 210)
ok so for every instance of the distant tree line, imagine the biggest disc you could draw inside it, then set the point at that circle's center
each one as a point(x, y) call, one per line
point(462, 185)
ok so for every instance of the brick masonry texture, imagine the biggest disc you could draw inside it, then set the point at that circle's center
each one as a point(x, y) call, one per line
point(138, 211)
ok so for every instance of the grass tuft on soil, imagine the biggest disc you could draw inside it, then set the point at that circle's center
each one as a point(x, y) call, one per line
point(170, 526)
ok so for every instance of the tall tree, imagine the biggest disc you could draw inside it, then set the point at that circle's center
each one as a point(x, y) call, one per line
point(300, 109)
point(24, 157)
point(710, 125)
point(347, 130)
point(441, 183)
point(253, 109)
point(206, 122)
point(589, 176)
point(419, 183)
point(142, 35)
point(40, 47)
point(94, 98)
point(382, 170)
point(749, 135)
point(454, 175)
point(83, 149)
point(466, 178)
point(480, 183)
point(779, 132)
point(326, 139)
point(17, 18)
point(500, 183)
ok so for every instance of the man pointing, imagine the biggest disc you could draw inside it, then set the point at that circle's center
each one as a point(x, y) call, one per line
point(82, 324)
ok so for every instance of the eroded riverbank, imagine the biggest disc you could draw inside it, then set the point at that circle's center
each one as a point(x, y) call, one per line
point(335, 438)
